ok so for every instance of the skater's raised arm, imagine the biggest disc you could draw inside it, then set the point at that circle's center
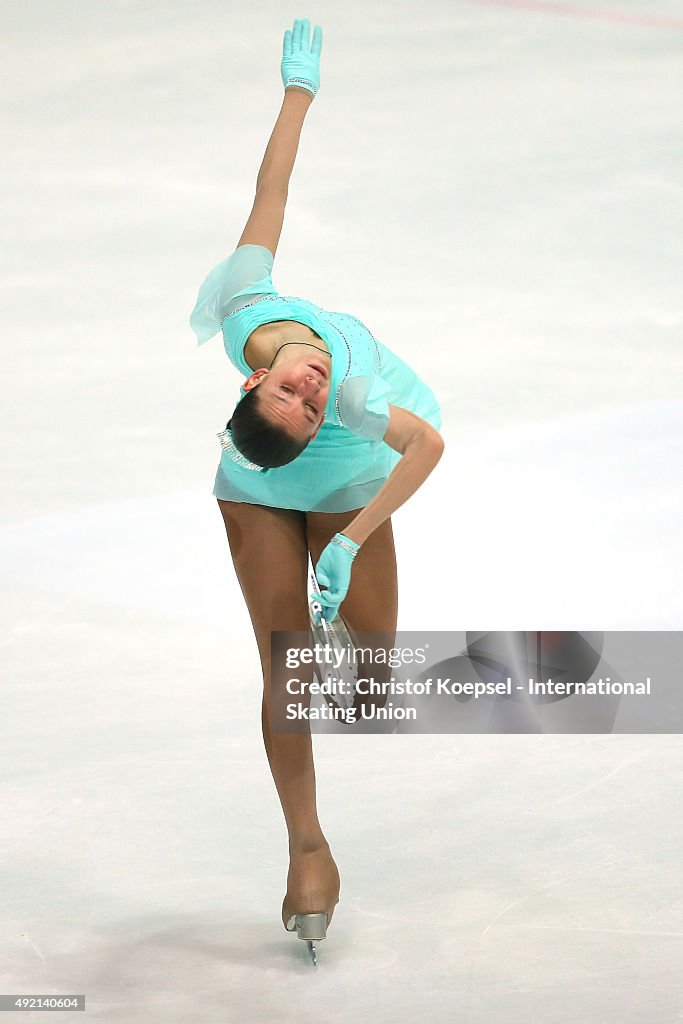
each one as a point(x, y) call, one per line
point(300, 70)
point(264, 224)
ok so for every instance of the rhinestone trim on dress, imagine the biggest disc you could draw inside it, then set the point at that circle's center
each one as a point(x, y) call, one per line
point(264, 298)
point(348, 367)
point(228, 445)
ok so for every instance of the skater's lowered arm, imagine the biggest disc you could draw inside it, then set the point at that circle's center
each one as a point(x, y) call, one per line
point(421, 447)
point(264, 225)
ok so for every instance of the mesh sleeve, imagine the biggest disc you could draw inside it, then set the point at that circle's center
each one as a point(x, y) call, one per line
point(245, 273)
point(364, 406)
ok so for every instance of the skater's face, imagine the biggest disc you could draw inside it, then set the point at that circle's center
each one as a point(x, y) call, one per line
point(293, 393)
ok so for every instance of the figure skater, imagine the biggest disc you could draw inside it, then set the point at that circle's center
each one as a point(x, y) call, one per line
point(332, 433)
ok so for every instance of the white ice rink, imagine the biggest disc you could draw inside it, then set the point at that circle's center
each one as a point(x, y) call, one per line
point(494, 188)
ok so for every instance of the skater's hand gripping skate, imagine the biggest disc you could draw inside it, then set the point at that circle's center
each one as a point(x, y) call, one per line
point(333, 571)
point(300, 59)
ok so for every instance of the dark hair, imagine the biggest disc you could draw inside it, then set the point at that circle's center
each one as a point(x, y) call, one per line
point(258, 439)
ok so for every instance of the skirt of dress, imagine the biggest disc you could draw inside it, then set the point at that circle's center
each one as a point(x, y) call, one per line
point(337, 472)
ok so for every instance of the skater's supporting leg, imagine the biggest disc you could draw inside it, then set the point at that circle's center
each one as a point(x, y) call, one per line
point(268, 547)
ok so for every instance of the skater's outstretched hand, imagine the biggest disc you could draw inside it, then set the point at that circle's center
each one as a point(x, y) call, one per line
point(300, 65)
point(333, 571)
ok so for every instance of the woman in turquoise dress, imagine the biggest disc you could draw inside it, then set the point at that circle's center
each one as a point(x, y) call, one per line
point(331, 434)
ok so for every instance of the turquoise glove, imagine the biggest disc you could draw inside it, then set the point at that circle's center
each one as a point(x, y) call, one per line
point(300, 61)
point(334, 572)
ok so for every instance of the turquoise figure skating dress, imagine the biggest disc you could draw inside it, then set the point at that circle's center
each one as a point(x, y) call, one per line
point(347, 461)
